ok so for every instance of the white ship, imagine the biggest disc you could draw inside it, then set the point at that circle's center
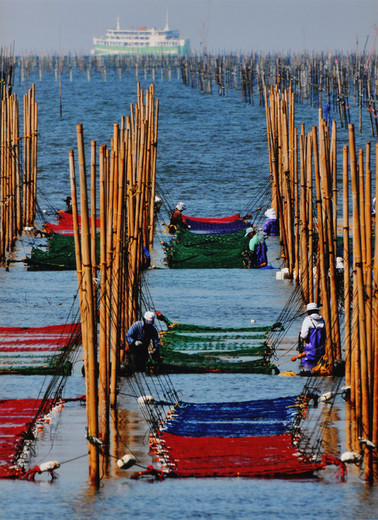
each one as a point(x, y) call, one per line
point(144, 41)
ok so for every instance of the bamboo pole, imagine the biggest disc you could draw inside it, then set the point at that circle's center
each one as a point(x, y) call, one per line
point(303, 247)
point(154, 122)
point(115, 348)
point(296, 207)
point(346, 253)
point(34, 143)
point(16, 169)
point(375, 320)
point(88, 319)
point(132, 242)
point(361, 179)
point(75, 221)
point(331, 241)
point(368, 270)
point(286, 177)
point(16, 148)
point(2, 180)
point(4, 176)
point(26, 161)
point(323, 274)
point(109, 180)
point(275, 170)
point(310, 218)
point(333, 169)
point(270, 152)
point(10, 180)
point(104, 375)
point(361, 305)
point(110, 259)
point(93, 210)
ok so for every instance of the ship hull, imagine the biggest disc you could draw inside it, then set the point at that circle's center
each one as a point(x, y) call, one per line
point(106, 50)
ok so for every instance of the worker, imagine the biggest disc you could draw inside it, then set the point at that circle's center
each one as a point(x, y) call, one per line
point(177, 218)
point(313, 336)
point(257, 249)
point(158, 204)
point(139, 337)
point(271, 225)
point(68, 202)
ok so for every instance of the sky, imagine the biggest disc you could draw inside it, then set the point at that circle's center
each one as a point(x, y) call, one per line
point(219, 26)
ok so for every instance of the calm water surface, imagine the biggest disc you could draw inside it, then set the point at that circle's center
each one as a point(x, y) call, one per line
point(212, 154)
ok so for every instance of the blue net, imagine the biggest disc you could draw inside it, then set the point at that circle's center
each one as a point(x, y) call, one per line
point(215, 227)
point(249, 418)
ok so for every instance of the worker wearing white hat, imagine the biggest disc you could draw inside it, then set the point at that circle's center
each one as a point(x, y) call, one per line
point(139, 337)
point(177, 219)
point(271, 225)
point(313, 333)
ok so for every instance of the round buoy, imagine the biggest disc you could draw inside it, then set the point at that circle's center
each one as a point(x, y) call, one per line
point(126, 461)
point(49, 466)
point(145, 399)
point(351, 457)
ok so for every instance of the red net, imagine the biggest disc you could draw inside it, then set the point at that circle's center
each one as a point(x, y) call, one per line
point(16, 417)
point(50, 338)
point(65, 224)
point(273, 456)
point(215, 220)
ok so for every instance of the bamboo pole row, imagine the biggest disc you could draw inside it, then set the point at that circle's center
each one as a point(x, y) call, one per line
point(361, 343)
point(309, 229)
point(30, 156)
point(126, 192)
point(18, 163)
point(303, 195)
point(338, 81)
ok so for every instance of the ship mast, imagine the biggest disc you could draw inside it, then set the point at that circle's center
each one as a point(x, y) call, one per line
point(166, 28)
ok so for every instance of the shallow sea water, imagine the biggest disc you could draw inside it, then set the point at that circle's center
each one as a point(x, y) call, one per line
point(212, 153)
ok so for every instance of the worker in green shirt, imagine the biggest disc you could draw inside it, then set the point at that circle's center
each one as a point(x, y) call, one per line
point(257, 249)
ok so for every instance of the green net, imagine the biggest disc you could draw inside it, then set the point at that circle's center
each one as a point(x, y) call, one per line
point(59, 254)
point(22, 367)
point(209, 342)
point(186, 327)
point(199, 348)
point(191, 250)
point(180, 362)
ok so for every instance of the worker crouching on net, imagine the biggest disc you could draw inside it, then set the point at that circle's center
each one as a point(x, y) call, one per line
point(256, 256)
point(177, 218)
point(139, 338)
point(312, 338)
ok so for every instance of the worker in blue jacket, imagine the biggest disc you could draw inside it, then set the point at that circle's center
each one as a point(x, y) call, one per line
point(139, 337)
